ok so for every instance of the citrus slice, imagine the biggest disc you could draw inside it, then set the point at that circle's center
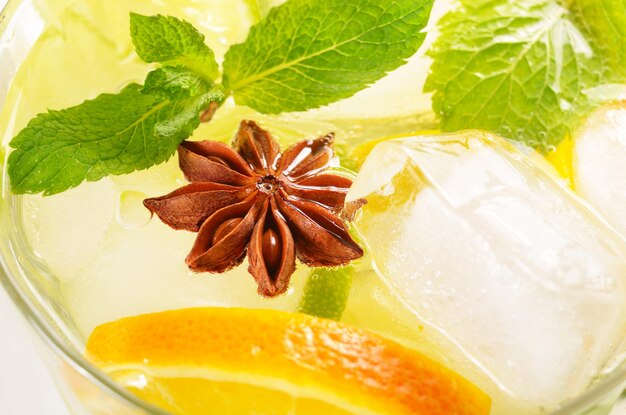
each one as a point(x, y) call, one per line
point(326, 292)
point(242, 361)
point(562, 158)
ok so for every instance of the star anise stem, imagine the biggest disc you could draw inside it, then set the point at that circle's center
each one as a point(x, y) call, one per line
point(208, 114)
point(254, 199)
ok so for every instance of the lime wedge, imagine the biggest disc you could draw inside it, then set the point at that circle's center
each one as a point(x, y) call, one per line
point(326, 292)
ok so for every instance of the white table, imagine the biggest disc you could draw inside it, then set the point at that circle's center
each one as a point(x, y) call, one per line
point(25, 385)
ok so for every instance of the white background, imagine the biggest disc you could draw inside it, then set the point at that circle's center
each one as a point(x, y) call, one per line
point(25, 385)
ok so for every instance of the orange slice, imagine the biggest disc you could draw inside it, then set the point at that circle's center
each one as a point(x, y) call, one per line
point(242, 361)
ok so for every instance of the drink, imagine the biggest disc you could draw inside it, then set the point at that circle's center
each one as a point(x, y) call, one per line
point(104, 258)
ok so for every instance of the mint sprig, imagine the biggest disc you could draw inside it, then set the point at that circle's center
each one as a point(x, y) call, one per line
point(61, 149)
point(304, 54)
point(521, 68)
point(310, 53)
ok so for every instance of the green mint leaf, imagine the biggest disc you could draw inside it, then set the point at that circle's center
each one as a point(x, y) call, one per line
point(182, 117)
point(110, 135)
point(174, 83)
point(310, 53)
point(518, 68)
point(604, 23)
point(172, 42)
point(326, 292)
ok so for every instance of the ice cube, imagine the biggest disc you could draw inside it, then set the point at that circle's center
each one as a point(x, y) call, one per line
point(512, 269)
point(599, 157)
point(55, 226)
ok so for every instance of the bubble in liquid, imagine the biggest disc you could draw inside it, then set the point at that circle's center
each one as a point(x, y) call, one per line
point(131, 213)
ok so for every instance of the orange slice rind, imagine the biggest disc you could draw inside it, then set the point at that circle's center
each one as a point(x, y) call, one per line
point(216, 360)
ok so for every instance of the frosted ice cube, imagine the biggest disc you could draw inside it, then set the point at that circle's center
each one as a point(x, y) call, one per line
point(599, 157)
point(56, 226)
point(482, 245)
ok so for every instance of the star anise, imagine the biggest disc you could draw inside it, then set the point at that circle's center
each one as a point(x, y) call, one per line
point(253, 199)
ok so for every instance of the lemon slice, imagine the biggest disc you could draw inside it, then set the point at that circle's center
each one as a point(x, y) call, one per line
point(562, 158)
point(242, 361)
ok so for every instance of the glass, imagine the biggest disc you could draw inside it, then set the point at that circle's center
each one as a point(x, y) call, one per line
point(85, 388)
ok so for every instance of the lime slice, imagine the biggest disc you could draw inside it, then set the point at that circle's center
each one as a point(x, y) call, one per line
point(326, 292)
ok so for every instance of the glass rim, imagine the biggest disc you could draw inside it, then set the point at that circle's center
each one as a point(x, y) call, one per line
point(54, 341)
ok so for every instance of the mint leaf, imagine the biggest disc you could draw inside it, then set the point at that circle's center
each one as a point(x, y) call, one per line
point(112, 134)
point(172, 42)
point(604, 23)
point(309, 53)
point(517, 68)
point(182, 117)
point(174, 82)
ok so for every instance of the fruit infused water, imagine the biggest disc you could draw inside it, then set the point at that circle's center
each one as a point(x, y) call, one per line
point(280, 227)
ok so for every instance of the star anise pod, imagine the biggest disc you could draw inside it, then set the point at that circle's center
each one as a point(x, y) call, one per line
point(253, 198)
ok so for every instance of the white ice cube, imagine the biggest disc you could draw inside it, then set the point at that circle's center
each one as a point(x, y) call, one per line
point(599, 163)
point(511, 268)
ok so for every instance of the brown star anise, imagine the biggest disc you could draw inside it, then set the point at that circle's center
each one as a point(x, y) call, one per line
point(274, 206)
